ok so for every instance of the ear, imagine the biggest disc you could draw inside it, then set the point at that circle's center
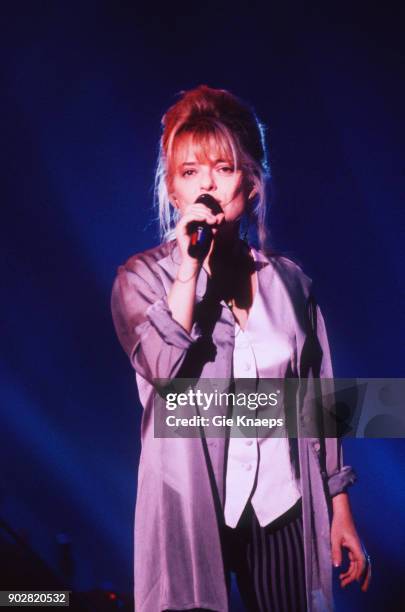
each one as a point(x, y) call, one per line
point(173, 200)
point(253, 193)
point(250, 189)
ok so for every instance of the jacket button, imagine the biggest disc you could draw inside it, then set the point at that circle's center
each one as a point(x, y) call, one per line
point(317, 447)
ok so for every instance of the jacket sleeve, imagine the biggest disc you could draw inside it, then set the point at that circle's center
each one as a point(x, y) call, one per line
point(155, 343)
point(339, 476)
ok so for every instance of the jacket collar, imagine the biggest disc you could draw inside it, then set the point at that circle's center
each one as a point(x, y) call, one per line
point(296, 284)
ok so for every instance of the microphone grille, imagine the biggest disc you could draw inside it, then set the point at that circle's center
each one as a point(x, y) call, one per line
point(210, 202)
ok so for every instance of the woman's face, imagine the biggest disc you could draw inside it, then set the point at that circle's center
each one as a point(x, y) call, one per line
point(212, 173)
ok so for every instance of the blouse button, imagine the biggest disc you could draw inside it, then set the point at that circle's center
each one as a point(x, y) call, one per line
point(249, 442)
point(248, 467)
point(247, 366)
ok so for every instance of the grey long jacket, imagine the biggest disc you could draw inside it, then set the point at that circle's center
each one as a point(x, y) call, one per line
point(178, 557)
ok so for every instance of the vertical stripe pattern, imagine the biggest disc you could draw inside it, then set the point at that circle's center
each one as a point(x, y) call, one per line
point(268, 562)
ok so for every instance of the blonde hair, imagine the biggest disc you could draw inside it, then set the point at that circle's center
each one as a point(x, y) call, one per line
point(213, 117)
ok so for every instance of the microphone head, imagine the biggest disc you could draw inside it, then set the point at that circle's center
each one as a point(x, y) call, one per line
point(201, 232)
point(210, 202)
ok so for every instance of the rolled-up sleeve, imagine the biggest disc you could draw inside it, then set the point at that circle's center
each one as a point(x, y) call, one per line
point(340, 480)
point(155, 343)
point(339, 476)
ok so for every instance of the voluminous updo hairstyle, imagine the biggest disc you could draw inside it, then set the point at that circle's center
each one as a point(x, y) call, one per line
point(213, 117)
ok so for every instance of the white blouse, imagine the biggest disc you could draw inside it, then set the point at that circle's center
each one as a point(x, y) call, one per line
point(260, 467)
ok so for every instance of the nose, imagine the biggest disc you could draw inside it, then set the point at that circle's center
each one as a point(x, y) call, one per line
point(207, 182)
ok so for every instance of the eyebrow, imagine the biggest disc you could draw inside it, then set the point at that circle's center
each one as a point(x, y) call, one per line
point(217, 161)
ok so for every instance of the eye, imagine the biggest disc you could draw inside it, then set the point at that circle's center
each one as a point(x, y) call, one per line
point(226, 169)
point(188, 172)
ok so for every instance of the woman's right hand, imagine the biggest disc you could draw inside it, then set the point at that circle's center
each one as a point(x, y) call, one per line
point(192, 213)
point(181, 297)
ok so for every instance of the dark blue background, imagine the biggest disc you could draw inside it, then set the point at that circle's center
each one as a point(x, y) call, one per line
point(83, 88)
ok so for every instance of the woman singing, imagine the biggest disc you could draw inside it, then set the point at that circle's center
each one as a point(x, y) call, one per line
point(224, 310)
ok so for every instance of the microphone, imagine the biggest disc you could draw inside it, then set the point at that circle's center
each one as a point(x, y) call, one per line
point(201, 232)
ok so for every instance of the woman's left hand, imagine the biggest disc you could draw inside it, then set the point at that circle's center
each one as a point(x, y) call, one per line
point(344, 534)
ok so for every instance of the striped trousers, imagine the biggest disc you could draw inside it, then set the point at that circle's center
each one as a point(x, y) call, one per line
point(268, 561)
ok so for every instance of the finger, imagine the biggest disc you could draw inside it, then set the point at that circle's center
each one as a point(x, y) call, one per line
point(199, 207)
point(219, 221)
point(351, 575)
point(345, 582)
point(359, 564)
point(366, 582)
point(357, 555)
point(346, 573)
point(213, 220)
point(365, 568)
point(189, 218)
point(336, 553)
point(365, 575)
point(348, 579)
point(362, 568)
point(198, 210)
point(351, 567)
point(193, 214)
point(351, 572)
point(347, 576)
